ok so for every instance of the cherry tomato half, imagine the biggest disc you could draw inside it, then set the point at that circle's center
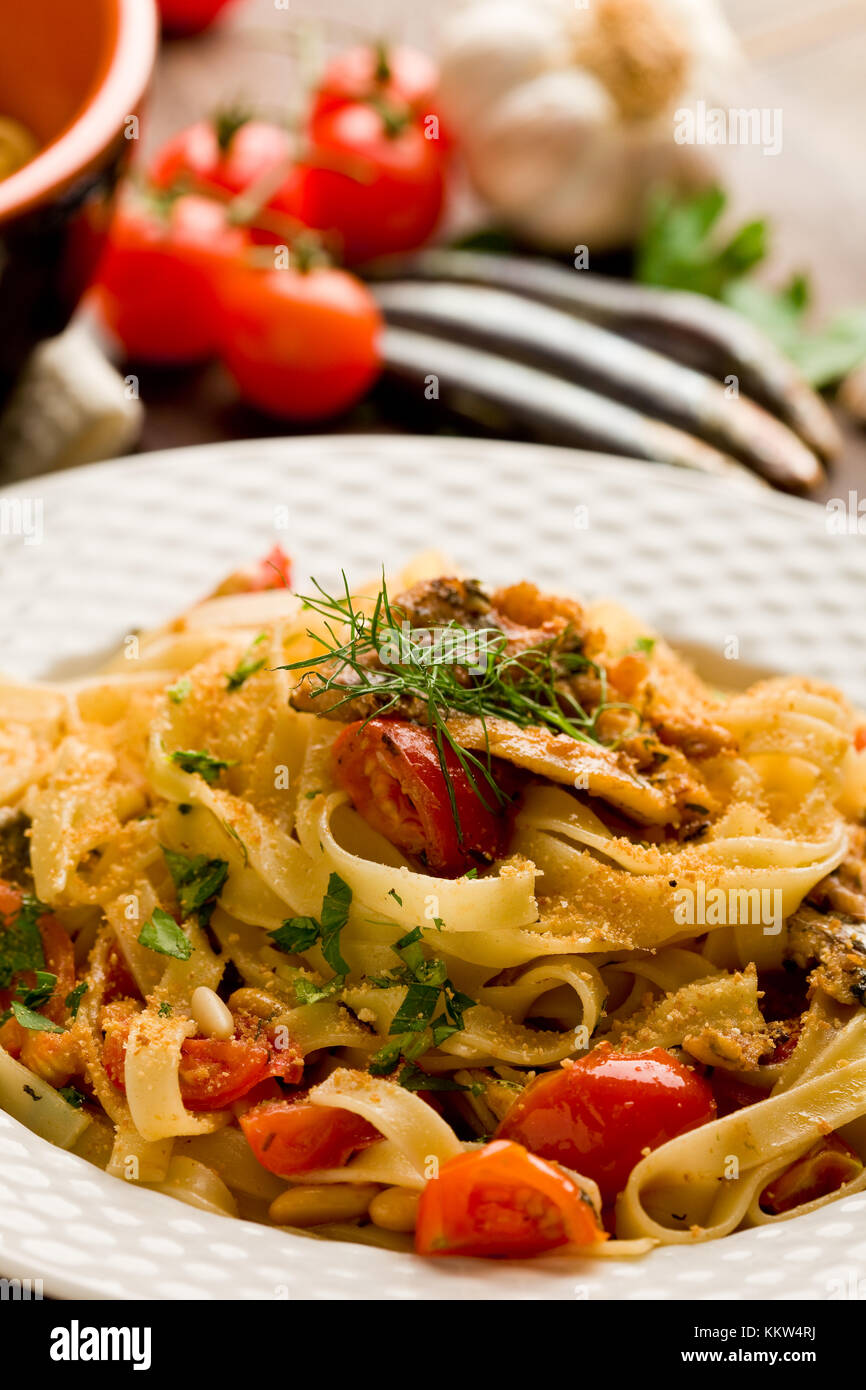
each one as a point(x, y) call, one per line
point(293, 1136)
point(501, 1201)
point(155, 287)
point(599, 1114)
point(301, 345)
point(214, 1072)
point(393, 774)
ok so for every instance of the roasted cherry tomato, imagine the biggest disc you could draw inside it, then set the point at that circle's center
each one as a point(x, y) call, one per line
point(228, 154)
point(373, 180)
point(300, 344)
point(213, 1073)
point(396, 74)
point(502, 1201)
point(393, 773)
point(293, 1136)
point(155, 287)
point(181, 18)
point(829, 1165)
point(599, 1114)
point(59, 960)
point(860, 738)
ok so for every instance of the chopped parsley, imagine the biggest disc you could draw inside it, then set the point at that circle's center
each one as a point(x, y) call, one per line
point(163, 935)
point(248, 665)
point(72, 1097)
point(196, 760)
point(20, 941)
point(302, 933)
point(392, 893)
point(178, 692)
point(33, 1021)
point(198, 882)
point(74, 998)
point(164, 1010)
point(645, 644)
point(34, 996)
point(416, 1026)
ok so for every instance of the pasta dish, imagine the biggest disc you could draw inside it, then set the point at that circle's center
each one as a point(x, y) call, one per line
point(437, 916)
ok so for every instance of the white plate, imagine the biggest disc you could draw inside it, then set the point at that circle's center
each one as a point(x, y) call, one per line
point(125, 545)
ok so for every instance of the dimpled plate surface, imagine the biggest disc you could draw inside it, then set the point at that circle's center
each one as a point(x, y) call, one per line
point(88, 557)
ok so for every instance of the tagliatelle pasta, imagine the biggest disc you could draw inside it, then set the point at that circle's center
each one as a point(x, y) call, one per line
point(439, 904)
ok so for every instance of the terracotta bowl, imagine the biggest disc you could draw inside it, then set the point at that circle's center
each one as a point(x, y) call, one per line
point(73, 74)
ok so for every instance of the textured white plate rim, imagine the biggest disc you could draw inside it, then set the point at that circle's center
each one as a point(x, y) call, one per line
point(359, 1268)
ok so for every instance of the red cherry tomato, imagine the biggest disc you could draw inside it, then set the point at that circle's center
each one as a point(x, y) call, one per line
point(375, 184)
point(395, 74)
point(214, 1072)
point(392, 772)
point(301, 345)
point(59, 960)
point(155, 287)
point(293, 1136)
point(599, 1114)
point(860, 738)
point(502, 1201)
point(181, 18)
point(224, 154)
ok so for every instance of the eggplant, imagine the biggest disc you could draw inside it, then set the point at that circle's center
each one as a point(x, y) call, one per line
point(604, 362)
point(498, 394)
point(689, 327)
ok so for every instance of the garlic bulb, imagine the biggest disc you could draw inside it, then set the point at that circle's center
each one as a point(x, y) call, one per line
point(565, 113)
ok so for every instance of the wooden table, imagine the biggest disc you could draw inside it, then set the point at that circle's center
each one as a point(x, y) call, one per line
point(807, 57)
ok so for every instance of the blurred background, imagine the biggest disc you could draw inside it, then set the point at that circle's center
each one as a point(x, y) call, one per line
point(797, 212)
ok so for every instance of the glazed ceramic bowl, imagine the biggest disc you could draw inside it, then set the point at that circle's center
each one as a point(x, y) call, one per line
point(73, 75)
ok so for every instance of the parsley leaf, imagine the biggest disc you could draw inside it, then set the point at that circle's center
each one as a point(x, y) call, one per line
point(335, 914)
point(163, 935)
point(296, 934)
point(20, 941)
point(72, 1097)
point(35, 1022)
point(74, 998)
point(195, 760)
point(198, 881)
point(34, 996)
point(178, 692)
point(683, 249)
point(248, 665)
point(306, 992)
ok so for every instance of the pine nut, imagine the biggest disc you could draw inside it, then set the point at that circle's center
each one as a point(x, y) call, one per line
point(316, 1205)
point(213, 1017)
point(395, 1209)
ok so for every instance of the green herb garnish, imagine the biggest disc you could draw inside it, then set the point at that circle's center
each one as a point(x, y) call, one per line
point(35, 1022)
point(195, 760)
point(301, 933)
point(248, 665)
point(72, 1097)
point(527, 688)
point(20, 941)
point(75, 996)
point(163, 935)
point(198, 882)
point(414, 1028)
point(178, 692)
point(683, 249)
